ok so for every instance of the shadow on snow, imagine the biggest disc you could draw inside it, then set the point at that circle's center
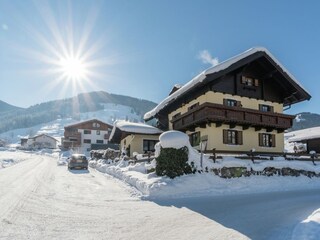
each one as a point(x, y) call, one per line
point(272, 215)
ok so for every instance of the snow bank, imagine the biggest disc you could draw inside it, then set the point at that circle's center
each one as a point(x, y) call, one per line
point(208, 184)
point(309, 228)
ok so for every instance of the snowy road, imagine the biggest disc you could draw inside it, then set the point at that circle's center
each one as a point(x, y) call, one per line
point(40, 200)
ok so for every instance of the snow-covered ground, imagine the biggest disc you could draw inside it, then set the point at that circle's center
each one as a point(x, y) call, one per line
point(40, 200)
point(9, 156)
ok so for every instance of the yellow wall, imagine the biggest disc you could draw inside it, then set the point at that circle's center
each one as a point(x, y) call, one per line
point(216, 97)
point(250, 136)
point(250, 139)
point(136, 142)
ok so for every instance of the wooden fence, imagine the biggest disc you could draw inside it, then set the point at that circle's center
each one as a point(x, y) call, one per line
point(252, 155)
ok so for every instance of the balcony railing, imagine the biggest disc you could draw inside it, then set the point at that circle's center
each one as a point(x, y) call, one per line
point(217, 113)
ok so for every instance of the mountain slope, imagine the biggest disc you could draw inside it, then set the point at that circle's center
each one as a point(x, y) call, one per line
point(70, 107)
point(305, 120)
point(5, 107)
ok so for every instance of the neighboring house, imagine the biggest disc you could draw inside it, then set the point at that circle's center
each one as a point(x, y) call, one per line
point(234, 106)
point(134, 137)
point(39, 141)
point(308, 136)
point(86, 134)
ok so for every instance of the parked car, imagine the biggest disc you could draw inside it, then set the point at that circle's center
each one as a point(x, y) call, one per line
point(78, 161)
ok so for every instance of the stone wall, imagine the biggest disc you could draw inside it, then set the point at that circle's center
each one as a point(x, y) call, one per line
point(232, 172)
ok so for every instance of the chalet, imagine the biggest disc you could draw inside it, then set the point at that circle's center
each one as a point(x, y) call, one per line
point(87, 134)
point(39, 141)
point(134, 137)
point(234, 106)
point(309, 136)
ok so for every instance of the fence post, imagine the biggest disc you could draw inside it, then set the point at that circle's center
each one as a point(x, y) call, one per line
point(313, 156)
point(214, 155)
point(252, 155)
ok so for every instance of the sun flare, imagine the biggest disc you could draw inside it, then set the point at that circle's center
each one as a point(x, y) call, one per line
point(73, 68)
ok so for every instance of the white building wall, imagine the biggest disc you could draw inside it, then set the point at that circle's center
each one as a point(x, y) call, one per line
point(93, 137)
point(45, 141)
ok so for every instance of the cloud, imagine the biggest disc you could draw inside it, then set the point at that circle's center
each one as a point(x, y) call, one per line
point(5, 27)
point(206, 57)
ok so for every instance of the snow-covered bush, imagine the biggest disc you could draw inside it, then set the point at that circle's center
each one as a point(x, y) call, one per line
point(173, 162)
point(173, 155)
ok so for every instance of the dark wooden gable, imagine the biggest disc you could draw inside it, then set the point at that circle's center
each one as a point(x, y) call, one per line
point(271, 83)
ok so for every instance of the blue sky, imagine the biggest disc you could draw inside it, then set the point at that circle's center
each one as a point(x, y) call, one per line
point(143, 48)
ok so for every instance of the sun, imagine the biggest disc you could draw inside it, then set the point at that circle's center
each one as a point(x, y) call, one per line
point(73, 68)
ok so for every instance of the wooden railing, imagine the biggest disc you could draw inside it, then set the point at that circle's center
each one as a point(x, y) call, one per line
point(217, 113)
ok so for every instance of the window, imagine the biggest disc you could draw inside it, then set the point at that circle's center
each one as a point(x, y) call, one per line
point(248, 81)
point(267, 140)
point(232, 137)
point(73, 130)
point(95, 125)
point(176, 115)
point(86, 140)
point(87, 131)
point(73, 139)
point(99, 141)
point(265, 108)
point(193, 106)
point(148, 145)
point(98, 132)
point(231, 103)
point(194, 139)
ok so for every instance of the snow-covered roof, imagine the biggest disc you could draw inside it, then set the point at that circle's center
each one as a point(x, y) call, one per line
point(86, 121)
point(222, 66)
point(131, 127)
point(304, 134)
point(40, 135)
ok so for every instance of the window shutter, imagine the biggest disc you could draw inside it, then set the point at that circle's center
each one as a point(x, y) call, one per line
point(225, 102)
point(273, 137)
point(243, 79)
point(239, 104)
point(239, 138)
point(225, 136)
point(260, 107)
point(271, 109)
point(256, 82)
point(260, 140)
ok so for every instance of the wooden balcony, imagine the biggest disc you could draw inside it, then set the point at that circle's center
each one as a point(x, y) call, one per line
point(220, 114)
point(71, 139)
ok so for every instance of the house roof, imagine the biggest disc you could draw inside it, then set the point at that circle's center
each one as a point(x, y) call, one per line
point(36, 136)
point(199, 79)
point(304, 134)
point(122, 126)
point(87, 121)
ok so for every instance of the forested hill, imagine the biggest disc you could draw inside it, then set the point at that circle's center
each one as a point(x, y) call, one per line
point(5, 107)
point(70, 107)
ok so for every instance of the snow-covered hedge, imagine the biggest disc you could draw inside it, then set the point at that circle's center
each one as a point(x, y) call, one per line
point(173, 162)
point(175, 156)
